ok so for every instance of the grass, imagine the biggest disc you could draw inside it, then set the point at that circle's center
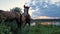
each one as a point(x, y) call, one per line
point(8, 28)
point(45, 29)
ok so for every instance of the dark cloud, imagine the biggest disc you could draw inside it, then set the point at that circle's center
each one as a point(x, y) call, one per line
point(51, 10)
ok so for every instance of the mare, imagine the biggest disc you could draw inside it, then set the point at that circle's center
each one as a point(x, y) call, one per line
point(10, 16)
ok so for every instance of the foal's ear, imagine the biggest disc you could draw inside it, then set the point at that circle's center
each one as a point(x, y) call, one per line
point(26, 7)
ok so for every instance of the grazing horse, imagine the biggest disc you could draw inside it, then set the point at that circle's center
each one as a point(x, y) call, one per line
point(10, 16)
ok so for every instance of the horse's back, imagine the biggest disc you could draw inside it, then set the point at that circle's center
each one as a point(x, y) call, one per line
point(8, 14)
point(1, 11)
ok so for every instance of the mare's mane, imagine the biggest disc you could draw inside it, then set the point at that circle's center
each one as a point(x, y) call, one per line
point(1, 11)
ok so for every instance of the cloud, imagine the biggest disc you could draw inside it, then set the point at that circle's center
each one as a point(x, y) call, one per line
point(38, 8)
point(7, 4)
point(53, 1)
point(46, 17)
point(46, 8)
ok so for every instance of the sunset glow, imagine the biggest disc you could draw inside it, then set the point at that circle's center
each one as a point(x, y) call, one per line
point(35, 9)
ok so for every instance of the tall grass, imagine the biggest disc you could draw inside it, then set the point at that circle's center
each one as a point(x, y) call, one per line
point(11, 28)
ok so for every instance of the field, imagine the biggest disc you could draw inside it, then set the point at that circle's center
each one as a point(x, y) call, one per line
point(10, 28)
point(45, 29)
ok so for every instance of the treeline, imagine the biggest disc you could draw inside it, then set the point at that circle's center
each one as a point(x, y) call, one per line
point(46, 20)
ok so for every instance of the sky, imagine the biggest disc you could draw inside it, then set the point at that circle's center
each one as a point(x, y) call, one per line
point(38, 8)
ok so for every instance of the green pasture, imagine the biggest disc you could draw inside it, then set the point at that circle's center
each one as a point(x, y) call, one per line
point(11, 28)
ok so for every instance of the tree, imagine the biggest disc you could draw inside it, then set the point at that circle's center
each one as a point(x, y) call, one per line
point(16, 9)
